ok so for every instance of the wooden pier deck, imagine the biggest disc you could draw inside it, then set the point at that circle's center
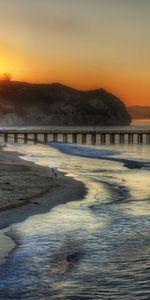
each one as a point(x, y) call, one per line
point(81, 136)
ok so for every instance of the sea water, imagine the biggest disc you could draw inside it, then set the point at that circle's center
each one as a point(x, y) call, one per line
point(96, 248)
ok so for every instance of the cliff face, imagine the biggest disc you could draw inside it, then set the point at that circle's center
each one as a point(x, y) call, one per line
point(55, 104)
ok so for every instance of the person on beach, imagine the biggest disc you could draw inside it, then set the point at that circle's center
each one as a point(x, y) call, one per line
point(54, 172)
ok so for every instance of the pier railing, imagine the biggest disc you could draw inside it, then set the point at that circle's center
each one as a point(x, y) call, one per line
point(81, 136)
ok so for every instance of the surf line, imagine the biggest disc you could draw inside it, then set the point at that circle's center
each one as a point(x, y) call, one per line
point(7, 245)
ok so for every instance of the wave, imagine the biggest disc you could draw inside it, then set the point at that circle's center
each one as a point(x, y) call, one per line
point(83, 151)
point(103, 154)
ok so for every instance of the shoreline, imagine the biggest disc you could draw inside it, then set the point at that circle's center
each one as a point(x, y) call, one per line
point(38, 200)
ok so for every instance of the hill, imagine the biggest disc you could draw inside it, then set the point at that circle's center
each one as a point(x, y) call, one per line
point(139, 112)
point(55, 104)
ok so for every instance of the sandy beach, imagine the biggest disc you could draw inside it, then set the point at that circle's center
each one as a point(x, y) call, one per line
point(27, 189)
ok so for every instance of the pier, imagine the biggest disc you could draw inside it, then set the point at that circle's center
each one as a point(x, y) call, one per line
point(76, 136)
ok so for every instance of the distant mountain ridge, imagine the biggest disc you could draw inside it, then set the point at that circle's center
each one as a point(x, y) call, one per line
point(139, 112)
point(55, 104)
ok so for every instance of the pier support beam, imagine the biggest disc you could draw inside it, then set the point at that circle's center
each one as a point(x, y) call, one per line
point(45, 137)
point(83, 138)
point(55, 137)
point(93, 139)
point(103, 138)
point(112, 138)
point(35, 138)
point(74, 138)
point(65, 138)
point(140, 138)
point(25, 138)
point(130, 138)
point(5, 137)
point(15, 138)
point(121, 138)
point(148, 138)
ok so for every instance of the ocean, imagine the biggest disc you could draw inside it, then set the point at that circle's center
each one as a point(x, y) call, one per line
point(96, 248)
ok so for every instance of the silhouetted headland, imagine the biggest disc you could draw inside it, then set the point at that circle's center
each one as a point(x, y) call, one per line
point(56, 104)
point(139, 112)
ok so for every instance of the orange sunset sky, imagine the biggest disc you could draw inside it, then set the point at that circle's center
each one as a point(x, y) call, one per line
point(82, 43)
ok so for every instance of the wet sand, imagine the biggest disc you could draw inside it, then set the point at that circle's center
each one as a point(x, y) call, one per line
point(27, 189)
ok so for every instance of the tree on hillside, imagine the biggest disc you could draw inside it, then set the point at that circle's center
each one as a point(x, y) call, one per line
point(6, 77)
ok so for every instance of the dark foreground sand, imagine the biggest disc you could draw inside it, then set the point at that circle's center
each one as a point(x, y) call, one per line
point(27, 189)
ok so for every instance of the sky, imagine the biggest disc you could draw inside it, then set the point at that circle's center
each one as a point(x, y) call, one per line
point(85, 44)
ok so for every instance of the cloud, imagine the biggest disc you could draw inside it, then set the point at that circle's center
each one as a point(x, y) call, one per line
point(35, 17)
point(57, 24)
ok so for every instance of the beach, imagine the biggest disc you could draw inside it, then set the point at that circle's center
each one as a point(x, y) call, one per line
point(94, 248)
point(27, 189)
